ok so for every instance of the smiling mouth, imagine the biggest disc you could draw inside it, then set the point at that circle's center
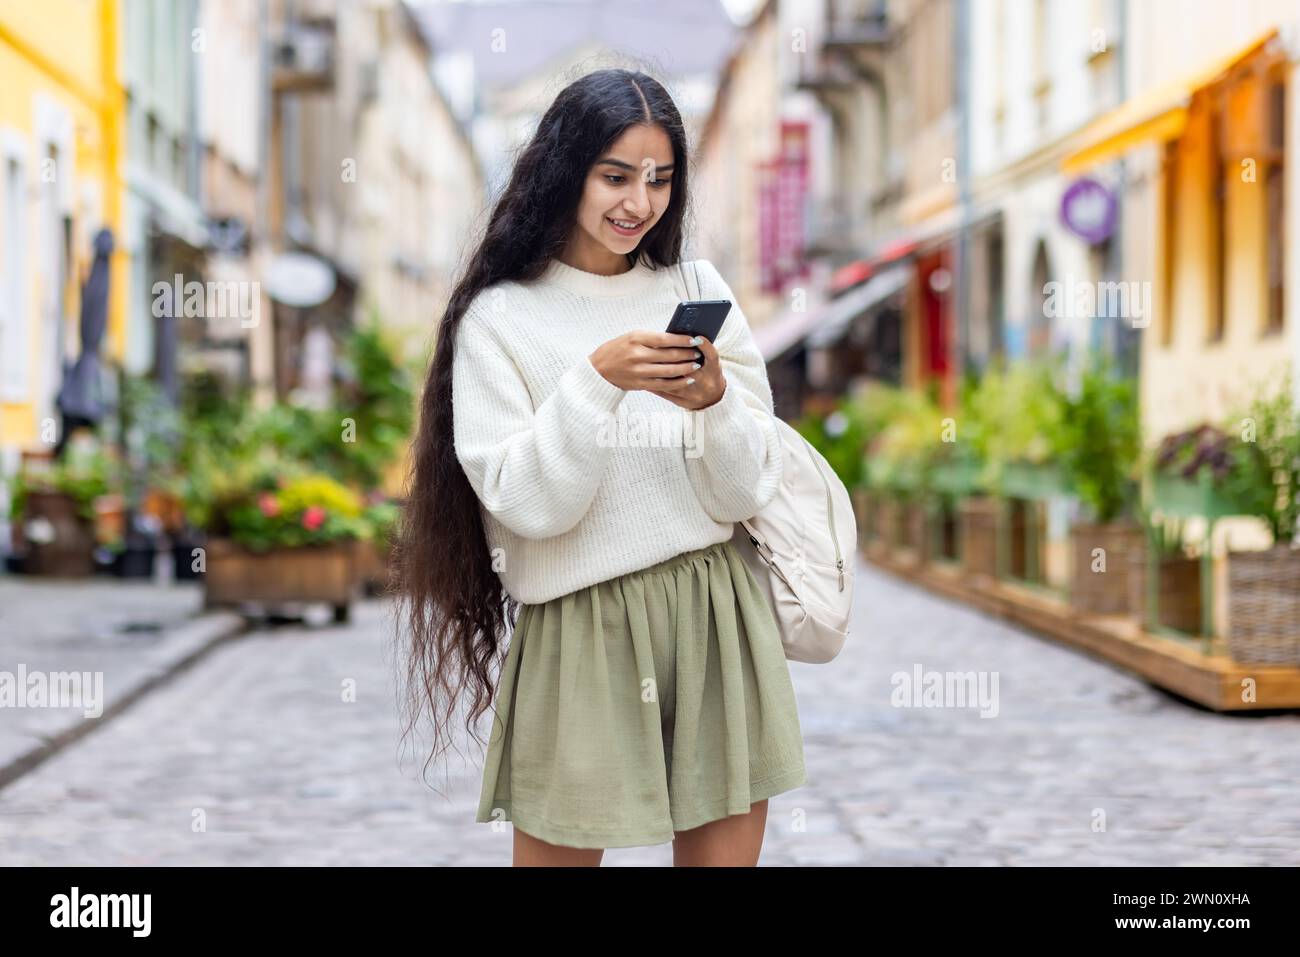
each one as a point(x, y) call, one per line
point(626, 230)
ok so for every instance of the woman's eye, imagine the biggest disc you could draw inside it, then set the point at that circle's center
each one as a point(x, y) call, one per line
point(617, 180)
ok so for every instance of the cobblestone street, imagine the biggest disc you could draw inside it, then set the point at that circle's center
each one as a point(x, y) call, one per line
point(1077, 763)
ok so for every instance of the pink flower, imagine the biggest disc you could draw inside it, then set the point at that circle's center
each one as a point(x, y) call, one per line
point(269, 505)
point(313, 517)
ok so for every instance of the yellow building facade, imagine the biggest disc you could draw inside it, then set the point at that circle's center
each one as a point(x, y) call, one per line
point(1211, 203)
point(62, 128)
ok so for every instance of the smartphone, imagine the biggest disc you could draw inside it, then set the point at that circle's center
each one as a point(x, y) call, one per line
point(700, 317)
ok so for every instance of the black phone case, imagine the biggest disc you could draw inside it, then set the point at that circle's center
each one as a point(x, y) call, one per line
point(700, 317)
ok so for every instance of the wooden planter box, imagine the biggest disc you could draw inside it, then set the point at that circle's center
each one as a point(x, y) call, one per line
point(978, 520)
point(945, 540)
point(70, 552)
point(1016, 517)
point(1264, 606)
point(916, 530)
point(373, 568)
point(316, 573)
point(1102, 592)
point(1178, 598)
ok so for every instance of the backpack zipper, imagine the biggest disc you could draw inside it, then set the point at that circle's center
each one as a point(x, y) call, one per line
point(830, 512)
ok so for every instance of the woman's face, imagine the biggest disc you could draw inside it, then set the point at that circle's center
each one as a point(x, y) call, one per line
point(630, 183)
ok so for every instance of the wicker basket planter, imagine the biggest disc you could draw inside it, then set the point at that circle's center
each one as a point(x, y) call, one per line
point(317, 573)
point(1179, 591)
point(1102, 592)
point(1264, 606)
point(978, 520)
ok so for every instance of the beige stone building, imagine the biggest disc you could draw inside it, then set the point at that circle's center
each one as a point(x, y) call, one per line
point(377, 175)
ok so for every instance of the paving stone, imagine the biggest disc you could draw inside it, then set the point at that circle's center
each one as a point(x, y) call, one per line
point(257, 738)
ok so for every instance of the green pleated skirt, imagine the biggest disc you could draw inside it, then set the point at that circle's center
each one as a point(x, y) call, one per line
point(646, 704)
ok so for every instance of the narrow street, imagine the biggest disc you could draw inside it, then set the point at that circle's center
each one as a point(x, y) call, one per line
point(256, 756)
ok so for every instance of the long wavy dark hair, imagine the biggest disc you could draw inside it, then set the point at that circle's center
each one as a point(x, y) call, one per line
point(451, 605)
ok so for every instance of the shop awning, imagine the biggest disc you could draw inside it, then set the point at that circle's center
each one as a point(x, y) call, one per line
point(1157, 115)
point(783, 331)
point(887, 270)
point(843, 311)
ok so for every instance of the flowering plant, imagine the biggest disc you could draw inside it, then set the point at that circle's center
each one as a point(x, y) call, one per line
point(1252, 462)
point(288, 512)
point(1188, 454)
point(86, 472)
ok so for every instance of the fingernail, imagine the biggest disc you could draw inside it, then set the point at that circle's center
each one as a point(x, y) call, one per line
point(690, 382)
point(695, 365)
point(695, 340)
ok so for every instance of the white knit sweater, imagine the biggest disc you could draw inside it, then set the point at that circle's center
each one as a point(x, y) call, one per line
point(579, 480)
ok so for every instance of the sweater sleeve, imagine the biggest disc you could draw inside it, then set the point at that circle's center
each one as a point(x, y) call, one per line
point(537, 470)
point(734, 461)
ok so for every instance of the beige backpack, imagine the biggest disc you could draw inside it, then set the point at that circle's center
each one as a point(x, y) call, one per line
point(801, 547)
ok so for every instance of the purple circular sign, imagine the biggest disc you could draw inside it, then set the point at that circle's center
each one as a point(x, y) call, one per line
point(1088, 209)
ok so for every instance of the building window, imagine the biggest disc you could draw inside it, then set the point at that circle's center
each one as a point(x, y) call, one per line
point(1173, 156)
point(995, 273)
point(1218, 213)
point(1040, 324)
point(13, 275)
point(1042, 78)
point(1102, 65)
point(999, 73)
point(1039, 52)
point(1275, 210)
point(154, 143)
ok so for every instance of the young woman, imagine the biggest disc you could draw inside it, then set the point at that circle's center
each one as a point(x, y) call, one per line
point(644, 696)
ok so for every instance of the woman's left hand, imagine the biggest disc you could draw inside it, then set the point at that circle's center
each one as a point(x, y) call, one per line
point(709, 384)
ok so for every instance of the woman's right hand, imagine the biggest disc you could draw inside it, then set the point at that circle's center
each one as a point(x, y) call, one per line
point(643, 358)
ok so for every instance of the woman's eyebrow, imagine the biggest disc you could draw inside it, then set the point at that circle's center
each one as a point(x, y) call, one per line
point(665, 168)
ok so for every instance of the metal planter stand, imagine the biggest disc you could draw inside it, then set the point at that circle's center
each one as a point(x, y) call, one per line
point(949, 482)
point(1184, 499)
point(1030, 483)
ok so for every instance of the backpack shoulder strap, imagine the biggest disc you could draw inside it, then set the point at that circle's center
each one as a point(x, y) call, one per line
point(685, 292)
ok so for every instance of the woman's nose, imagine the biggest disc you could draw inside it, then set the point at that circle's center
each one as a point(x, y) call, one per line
point(640, 201)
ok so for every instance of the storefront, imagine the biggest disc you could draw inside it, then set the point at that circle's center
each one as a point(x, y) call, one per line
point(1205, 202)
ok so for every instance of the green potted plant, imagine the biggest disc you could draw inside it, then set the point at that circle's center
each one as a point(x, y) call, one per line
point(285, 538)
point(843, 437)
point(1023, 454)
point(994, 429)
point(900, 464)
point(53, 510)
point(215, 448)
point(1177, 576)
point(1264, 586)
point(146, 430)
point(1099, 454)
